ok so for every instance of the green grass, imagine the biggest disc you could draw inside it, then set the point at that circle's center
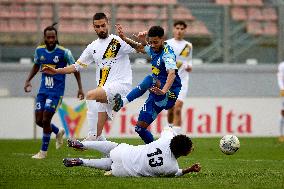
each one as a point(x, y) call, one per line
point(258, 164)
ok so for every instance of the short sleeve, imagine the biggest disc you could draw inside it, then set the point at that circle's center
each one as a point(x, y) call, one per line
point(69, 57)
point(189, 61)
point(168, 132)
point(179, 173)
point(170, 60)
point(36, 57)
point(147, 50)
point(85, 59)
point(126, 48)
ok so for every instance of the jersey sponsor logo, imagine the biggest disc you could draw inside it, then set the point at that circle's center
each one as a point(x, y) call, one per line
point(49, 83)
point(48, 65)
point(185, 51)
point(155, 70)
point(104, 72)
point(112, 49)
point(56, 59)
point(72, 118)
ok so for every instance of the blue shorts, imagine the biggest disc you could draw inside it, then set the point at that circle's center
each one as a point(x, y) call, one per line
point(156, 103)
point(48, 102)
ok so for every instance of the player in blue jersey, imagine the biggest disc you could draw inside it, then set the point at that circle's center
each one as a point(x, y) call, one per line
point(164, 82)
point(51, 88)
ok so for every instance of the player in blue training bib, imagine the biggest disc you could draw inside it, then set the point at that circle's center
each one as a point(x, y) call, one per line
point(51, 88)
point(164, 82)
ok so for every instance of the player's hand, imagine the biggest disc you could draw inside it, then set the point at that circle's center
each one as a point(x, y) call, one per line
point(188, 68)
point(80, 94)
point(28, 87)
point(195, 167)
point(282, 93)
point(141, 37)
point(119, 31)
point(157, 91)
point(49, 70)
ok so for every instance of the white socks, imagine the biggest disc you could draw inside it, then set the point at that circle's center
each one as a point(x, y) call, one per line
point(125, 101)
point(282, 126)
point(103, 163)
point(102, 146)
point(177, 129)
point(92, 117)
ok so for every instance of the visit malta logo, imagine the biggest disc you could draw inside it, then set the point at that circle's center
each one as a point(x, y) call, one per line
point(72, 118)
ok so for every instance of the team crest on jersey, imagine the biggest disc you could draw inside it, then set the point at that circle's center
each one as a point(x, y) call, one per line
point(112, 49)
point(185, 51)
point(56, 59)
point(42, 58)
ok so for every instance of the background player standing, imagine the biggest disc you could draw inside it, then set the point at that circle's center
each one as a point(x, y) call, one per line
point(280, 78)
point(51, 89)
point(183, 52)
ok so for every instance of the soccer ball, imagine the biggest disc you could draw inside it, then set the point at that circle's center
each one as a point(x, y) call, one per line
point(229, 144)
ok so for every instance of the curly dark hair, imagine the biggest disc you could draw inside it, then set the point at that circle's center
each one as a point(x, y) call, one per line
point(51, 28)
point(156, 31)
point(180, 145)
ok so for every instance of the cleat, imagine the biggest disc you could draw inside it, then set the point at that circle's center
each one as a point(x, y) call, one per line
point(59, 138)
point(40, 155)
point(118, 103)
point(71, 162)
point(108, 173)
point(90, 138)
point(75, 144)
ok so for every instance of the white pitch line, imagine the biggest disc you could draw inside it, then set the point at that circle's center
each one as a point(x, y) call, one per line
point(256, 160)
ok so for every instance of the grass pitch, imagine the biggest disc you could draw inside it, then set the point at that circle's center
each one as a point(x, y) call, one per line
point(258, 164)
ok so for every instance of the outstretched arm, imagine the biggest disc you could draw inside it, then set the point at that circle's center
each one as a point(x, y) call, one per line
point(137, 46)
point(194, 168)
point(65, 70)
point(33, 72)
point(80, 94)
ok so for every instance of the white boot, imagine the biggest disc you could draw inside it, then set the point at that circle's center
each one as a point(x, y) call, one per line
point(59, 138)
point(40, 155)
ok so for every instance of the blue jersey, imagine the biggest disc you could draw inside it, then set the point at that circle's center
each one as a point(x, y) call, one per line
point(57, 58)
point(161, 62)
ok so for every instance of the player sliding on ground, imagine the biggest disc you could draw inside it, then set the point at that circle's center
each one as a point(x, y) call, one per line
point(158, 158)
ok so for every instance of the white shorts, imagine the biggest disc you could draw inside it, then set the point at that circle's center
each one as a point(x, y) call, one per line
point(116, 155)
point(111, 90)
point(184, 88)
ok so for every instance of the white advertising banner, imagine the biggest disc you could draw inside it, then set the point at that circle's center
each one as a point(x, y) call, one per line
point(202, 117)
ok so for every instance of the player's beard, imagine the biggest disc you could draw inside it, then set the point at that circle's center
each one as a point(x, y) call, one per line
point(50, 46)
point(103, 35)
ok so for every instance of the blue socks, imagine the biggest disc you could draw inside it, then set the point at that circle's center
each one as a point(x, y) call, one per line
point(145, 135)
point(45, 141)
point(54, 129)
point(138, 91)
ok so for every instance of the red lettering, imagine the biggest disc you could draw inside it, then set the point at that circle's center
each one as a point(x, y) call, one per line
point(246, 126)
point(107, 127)
point(206, 124)
point(219, 119)
point(229, 121)
point(189, 120)
point(123, 121)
